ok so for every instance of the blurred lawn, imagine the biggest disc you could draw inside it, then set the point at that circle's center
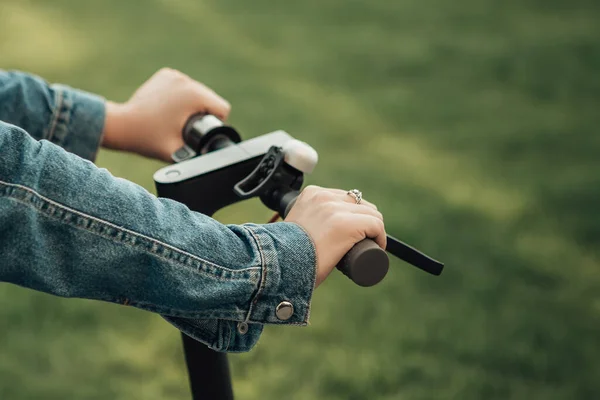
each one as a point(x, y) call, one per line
point(472, 124)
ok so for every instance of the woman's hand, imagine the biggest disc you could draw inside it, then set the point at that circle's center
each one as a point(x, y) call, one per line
point(335, 223)
point(150, 122)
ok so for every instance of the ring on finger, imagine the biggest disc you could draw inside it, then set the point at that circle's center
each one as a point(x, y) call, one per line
point(357, 194)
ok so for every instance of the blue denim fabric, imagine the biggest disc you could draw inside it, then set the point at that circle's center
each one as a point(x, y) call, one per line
point(73, 230)
point(70, 118)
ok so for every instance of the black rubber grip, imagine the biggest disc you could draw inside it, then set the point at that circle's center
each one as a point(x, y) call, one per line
point(366, 264)
point(210, 136)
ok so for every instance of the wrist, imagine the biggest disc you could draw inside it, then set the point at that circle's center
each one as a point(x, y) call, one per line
point(116, 125)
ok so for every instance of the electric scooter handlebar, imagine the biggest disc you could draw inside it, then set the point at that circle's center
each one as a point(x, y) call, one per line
point(265, 167)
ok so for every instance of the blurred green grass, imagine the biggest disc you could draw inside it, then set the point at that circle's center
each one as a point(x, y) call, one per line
point(472, 124)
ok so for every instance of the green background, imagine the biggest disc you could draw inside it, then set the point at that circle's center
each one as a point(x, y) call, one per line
point(473, 124)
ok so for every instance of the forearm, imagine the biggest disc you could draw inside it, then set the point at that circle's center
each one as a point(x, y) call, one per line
point(67, 117)
point(71, 229)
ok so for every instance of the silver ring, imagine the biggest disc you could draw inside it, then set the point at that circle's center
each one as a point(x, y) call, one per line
point(357, 194)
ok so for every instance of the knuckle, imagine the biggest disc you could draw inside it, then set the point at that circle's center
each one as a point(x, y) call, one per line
point(176, 74)
point(204, 90)
point(310, 189)
point(226, 108)
point(305, 194)
point(166, 71)
point(180, 76)
point(312, 192)
point(370, 205)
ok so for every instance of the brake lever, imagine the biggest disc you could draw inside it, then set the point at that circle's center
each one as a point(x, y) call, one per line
point(413, 256)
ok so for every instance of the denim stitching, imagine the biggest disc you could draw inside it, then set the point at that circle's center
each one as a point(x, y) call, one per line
point(263, 284)
point(233, 316)
point(316, 269)
point(195, 333)
point(227, 341)
point(263, 277)
point(129, 241)
point(55, 113)
point(123, 235)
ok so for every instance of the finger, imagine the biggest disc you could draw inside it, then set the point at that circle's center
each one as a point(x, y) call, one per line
point(348, 198)
point(341, 192)
point(372, 228)
point(360, 209)
point(331, 194)
point(211, 103)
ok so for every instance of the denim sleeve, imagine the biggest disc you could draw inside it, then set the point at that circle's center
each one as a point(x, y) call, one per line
point(71, 229)
point(70, 118)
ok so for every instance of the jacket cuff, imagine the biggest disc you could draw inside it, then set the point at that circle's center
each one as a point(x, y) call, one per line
point(288, 275)
point(219, 334)
point(78, 121)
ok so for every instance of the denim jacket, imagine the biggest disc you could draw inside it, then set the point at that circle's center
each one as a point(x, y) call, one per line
point(71, 229)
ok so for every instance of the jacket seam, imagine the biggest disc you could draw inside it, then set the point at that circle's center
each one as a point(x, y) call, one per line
point(194, 331)
point(55, 113)
point(228, 335)
point(315, 268)
point(203, 264)
point(304, 320)
point(124, 242)
point(263, 275)
point(230, 316)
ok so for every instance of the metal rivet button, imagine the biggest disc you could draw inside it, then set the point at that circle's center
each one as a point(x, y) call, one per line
point(242, 328)
point(284, 310)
